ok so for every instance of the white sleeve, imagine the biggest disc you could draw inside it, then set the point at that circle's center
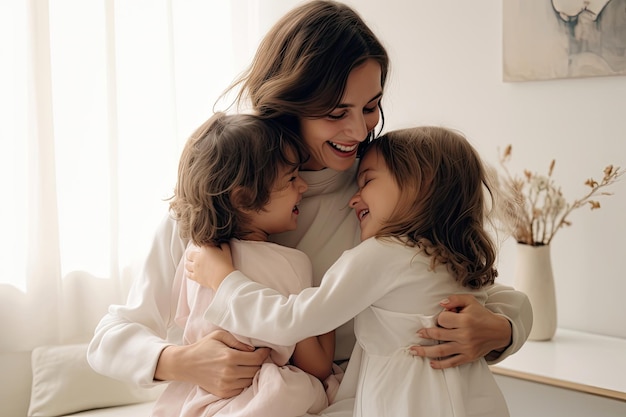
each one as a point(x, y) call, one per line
point(129, 339)
point(352, 284)
point(515, 306)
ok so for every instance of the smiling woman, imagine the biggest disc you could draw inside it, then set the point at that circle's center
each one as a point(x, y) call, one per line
point(93, 115)
point(357, 114)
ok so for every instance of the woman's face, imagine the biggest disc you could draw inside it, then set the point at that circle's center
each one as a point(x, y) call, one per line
point(333, 140)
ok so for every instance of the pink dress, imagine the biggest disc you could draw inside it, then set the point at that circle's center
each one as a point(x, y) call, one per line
point(278, 389)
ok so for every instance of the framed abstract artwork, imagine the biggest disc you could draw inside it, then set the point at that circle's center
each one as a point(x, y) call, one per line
point(552, 39)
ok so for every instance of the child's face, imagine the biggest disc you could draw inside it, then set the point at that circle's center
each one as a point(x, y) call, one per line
point(280, 214)
point(378, 194)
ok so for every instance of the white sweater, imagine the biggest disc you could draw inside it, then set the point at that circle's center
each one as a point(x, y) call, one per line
point(129, 339)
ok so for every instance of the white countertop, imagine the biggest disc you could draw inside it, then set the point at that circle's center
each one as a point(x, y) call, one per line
point(572, 359)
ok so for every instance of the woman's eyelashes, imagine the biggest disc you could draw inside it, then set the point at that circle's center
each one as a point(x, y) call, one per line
point(337, 116)
point(366, 110)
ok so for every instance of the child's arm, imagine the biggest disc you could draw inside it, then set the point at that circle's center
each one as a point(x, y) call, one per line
point(315, 355)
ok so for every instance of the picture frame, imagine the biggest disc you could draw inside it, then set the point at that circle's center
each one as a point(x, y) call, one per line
point(556, 39)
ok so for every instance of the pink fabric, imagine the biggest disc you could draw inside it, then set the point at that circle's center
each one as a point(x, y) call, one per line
point(278, 389)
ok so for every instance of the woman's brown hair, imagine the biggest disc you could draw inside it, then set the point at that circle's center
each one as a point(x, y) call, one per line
point(229, 165)
point(443, 210)
point(302, 65)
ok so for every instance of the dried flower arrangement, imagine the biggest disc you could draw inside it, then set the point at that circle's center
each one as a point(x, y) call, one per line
point(536, 209)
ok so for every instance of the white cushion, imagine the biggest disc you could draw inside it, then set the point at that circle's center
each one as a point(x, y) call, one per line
point(132, 410)
point(64, 383)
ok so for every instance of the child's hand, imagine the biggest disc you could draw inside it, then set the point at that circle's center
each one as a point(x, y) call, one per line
point(208, 265)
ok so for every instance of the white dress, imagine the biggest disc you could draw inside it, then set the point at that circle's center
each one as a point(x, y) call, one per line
point(391, 292)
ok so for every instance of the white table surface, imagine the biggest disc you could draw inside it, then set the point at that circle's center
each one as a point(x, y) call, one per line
point(572, 359)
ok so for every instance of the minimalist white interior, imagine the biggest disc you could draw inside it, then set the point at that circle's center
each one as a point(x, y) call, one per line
point(446, 58)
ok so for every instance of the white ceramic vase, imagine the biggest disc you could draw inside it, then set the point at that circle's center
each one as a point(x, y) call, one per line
point(533, 276)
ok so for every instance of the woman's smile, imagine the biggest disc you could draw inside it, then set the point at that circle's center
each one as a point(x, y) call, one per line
point(333, 140)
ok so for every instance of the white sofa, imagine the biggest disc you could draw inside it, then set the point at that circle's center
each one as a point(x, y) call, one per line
point(56, 381)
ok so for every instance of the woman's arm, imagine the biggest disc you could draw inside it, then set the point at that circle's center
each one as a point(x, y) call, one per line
point(314, 355)
point(131, 341)
point(472, 331)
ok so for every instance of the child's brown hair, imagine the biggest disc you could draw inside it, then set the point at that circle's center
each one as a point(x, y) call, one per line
point(443, 208)
point(229, 165)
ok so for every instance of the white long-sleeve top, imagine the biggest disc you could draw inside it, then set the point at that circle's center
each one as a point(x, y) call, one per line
point(129, 339)
point(391, 291)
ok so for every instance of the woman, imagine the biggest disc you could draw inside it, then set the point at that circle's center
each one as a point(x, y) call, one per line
point(321, 71)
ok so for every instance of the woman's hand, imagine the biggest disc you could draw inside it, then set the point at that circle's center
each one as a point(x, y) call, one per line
point(218, 363)
point(208, 265)
point(468, 331)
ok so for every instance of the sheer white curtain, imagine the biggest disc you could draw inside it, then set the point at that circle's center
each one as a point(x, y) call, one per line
point(97, 99)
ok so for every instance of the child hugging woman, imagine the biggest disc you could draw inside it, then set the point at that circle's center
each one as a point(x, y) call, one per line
point(238, 182)
point(421, 205)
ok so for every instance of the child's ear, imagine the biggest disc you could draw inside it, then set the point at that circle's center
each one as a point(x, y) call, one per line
point(240, 198)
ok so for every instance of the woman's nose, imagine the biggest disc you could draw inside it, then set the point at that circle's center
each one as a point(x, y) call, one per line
point(357, 128)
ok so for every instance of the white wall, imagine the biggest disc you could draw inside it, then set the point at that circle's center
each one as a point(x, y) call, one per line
point(447, 70)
